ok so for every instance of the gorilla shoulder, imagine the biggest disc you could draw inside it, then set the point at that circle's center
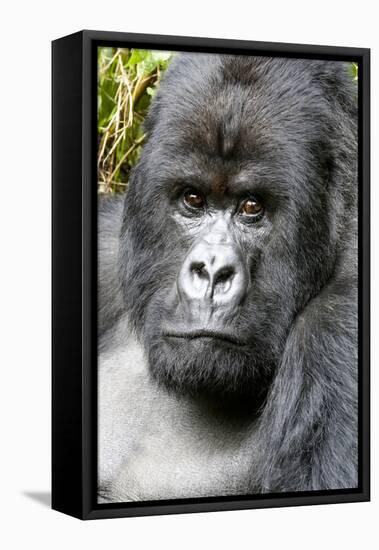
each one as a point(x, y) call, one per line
point(110, 306)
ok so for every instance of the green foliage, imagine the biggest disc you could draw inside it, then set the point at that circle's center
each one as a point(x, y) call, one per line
point(127, 80)
point(354, 68)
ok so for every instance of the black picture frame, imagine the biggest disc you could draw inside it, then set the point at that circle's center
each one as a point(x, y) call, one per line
point(74, 336)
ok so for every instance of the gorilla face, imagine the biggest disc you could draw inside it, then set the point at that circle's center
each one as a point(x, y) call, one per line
point(228, 227)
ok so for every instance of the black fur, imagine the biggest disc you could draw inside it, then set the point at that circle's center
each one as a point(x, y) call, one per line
point(290, 127)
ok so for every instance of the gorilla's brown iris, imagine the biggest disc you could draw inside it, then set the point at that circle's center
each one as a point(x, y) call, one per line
point(193, 199)
point(251, 207)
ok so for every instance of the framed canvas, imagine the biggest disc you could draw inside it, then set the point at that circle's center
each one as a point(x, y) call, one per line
point(210, 275)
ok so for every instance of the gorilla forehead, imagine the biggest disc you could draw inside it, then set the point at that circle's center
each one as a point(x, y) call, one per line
point(225, 100)
point(237, 118)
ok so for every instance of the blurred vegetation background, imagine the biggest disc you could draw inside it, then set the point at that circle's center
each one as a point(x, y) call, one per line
point(127, 81)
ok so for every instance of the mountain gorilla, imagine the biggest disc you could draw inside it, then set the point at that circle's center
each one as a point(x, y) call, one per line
point(228, 287)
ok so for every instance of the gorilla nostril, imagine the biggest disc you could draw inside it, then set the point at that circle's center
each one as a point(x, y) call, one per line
point(199, 269)
point(224, 275)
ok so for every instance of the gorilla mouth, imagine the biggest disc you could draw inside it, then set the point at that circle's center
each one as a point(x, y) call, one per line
point(200, 334)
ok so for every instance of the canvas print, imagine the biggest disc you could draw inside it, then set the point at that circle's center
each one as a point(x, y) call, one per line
point(227, 275)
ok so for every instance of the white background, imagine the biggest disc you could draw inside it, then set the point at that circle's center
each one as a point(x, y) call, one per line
point(26, 31)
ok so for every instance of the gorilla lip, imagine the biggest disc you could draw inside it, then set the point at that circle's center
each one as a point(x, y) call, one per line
point(197, 334)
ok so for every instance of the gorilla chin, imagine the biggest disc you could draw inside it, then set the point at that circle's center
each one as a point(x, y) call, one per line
point(208, 363)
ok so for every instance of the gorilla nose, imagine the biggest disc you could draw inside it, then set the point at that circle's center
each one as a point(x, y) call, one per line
point(213, 272)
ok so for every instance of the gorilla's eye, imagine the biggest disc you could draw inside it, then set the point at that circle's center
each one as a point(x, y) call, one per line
point(193, 199)
point(251, 208)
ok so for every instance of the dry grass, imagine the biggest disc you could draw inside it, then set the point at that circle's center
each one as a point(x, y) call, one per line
point(127, 80)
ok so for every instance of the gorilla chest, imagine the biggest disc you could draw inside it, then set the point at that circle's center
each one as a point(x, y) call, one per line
point(155, 445)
